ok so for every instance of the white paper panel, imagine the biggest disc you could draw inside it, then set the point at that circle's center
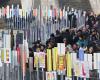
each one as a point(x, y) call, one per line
point(85, 57)
point(95, 60)
point(90, 61)
point(62, 48)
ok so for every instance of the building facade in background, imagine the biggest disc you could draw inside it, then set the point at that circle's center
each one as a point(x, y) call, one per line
point(83, 4)
point(15, 2)
point(78, 4)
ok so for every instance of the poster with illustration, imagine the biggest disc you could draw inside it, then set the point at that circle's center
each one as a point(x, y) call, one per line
point(51, 75)
point(41, 59)
point(7, 55)
point(36, 59)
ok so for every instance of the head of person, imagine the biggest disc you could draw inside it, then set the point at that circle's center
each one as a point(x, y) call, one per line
point(49, 45)
point(79, 32)
point(90, 49)
point(65, 41)
point(75, 46)
point(91, 14)
point(52, 35)
point(67, 30)
point(38, 49)
point(94, 32)
point(84, 29)
point(38, 43)
point(42, 47)
point(81, 37)
point(57, 32)
point(87, 26)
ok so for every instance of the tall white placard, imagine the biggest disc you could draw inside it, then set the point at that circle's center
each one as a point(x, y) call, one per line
point(95, 60)
point(90, 61)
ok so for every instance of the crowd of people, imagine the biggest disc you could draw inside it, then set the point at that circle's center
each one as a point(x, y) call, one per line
point(87, 37)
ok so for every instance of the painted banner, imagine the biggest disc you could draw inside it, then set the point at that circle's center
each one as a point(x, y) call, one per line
point(51, 75)
point(2, 55)
point(61, 63)
point(36, 59)
point(7, 55)
point(73, 58)
point(77, 68)
point(39, 59)
point(69, 65)
point(55, 58)
point(42, 59)
point(49, 60)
